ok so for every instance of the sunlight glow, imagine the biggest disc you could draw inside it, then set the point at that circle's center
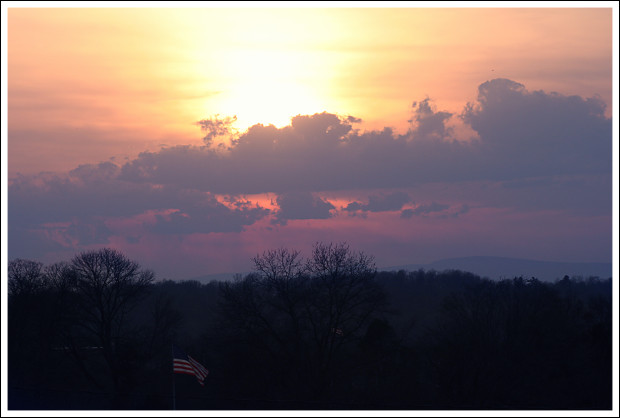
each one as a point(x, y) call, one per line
point(266, 86)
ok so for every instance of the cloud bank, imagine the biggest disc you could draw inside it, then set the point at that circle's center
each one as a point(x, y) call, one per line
point(522, 134)
point(534, 150)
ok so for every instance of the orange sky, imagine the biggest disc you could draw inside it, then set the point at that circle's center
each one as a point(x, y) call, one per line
point(104, 147)
point(85, 85)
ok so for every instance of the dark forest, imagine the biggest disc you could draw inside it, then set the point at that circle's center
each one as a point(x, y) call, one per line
point(326, 332)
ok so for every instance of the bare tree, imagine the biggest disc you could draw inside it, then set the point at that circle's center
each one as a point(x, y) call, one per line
point(345, 293)
point(343, 297)
point(25, 277)
point(60, 277)
point(28, 314)
point(108, 286)
point(303, 312)
point(279, 267)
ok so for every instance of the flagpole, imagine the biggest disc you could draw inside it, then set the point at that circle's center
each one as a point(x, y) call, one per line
point(173, 388)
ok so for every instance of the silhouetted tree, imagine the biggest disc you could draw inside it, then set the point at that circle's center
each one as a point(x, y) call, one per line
point(108, 285)
point(513, 344)
point(25, 277)
point(301, 315)
point(28, 311)
point(323, 332)
point(343, 297)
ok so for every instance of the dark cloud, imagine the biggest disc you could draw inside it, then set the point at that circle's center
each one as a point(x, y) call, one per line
point(535, 150)
point(435, 209)
point(38, 240)
point(459, 210)
point(355, 206)
point(323, 127)
point(302, 205)
point(527, 134)
point(429, 124)
point(522, 134)
point(380, 203)
point(72, 209)
point(88, 231)
point(30, 241)
point(208, 215)
point(87, 192)
point(93, 174)
point(406, 213)
point(425, 209)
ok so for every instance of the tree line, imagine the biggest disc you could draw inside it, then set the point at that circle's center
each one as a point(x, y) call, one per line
point(324, 332)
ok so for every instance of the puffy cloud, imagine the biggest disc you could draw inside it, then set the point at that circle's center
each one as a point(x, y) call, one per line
point(208, 215)
point(74, 209)
point(302, 205)
point(522, 134)
point(526, 134)
point(428, 123)
point(92, 174)
point(316, 152)
point(324, 127)
point(535, 150)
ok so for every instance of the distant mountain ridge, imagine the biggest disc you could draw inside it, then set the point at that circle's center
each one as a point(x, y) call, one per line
point(507, 268)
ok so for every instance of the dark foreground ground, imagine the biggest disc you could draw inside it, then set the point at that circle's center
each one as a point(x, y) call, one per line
point(421, 340)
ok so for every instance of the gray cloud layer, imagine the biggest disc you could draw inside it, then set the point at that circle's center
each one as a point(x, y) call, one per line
point(527, 141)
point(435, 209)
point(381, 203)
point(536, 133)
point(522, 134)
point(73, 208)
point(302, 205)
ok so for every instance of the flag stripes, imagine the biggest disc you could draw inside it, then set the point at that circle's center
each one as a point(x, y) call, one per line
point(185, 364)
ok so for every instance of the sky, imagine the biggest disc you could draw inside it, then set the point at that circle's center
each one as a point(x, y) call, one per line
point(194, 138)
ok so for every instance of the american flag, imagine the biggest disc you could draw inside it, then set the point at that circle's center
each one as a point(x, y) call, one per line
point(182, 363)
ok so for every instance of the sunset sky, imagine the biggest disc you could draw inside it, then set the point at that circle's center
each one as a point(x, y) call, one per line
point(194, 138)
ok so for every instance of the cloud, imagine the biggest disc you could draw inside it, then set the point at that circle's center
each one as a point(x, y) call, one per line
point(535, 150)
point(429, 124)
point(353, 119)
point(459, 210)
point(522, 134)
point(380, 203)
point(74, 209)
point(88, 231)
point(429, 208)
point(435, 209)
point(302, 205)
point(527, 134)
point(208, 215)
